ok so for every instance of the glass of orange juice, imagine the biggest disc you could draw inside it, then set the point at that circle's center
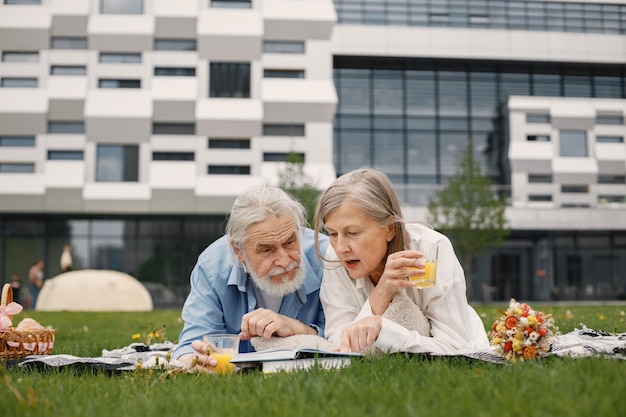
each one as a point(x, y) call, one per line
point(430, 251)
point(226, 345)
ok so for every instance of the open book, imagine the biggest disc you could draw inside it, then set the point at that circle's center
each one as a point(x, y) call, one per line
point(287, 359)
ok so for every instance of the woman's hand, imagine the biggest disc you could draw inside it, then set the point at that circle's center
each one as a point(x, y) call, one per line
point(398, 268)
point(361, 334)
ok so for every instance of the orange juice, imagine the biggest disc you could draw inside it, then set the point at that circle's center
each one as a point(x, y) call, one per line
point(426, 280)
point(223, 362)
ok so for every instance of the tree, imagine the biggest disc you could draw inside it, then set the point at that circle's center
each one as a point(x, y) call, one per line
point(469, 212)
point(299, 184)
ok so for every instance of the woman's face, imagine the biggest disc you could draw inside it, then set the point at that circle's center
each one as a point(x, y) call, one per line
point(359, 241)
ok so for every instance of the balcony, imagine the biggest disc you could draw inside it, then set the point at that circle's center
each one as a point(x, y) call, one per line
point(119, 116)
point(298, 20)
point(121, 33)
point(25, 28)
point(286, 100)
point(229, 117)
point(230, 34)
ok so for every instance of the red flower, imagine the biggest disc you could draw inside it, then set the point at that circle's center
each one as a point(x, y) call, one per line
point(529, 352)
point(543, 331)
point(510, 322)
point(508, 346)
point(525, 309)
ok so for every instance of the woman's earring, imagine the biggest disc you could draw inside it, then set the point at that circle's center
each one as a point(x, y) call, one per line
point(243, 265)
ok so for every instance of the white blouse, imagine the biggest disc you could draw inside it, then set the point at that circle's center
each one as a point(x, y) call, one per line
point(455, 325)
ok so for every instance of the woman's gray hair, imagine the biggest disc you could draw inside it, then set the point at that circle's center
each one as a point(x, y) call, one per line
point(256, 205)
point(369, 190)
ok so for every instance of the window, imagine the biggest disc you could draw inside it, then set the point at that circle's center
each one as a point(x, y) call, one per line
point(173, 128)
point(112, 83)
point(539, 197)
point(283, 130)
point(229, 170)
point(275, 73)
point(231, 4)
point(16, 167)
point(174, 44)
point(175, 72)
point(611, 199)
point(62, 42)
point(121, 6)
point(20, 56)
point(609, 120)
point(540, 178)
point(229, 79)
point(538, 138)
point(573, 143)
point(17, 82)
point(537, 118)
point(611, 179)
point(120, 58)
point(27, 141)
point(229, 143)
point(575, 189)
point(283, 47)
point(279, 156)
point(173, 156)
point(65, 155)
point(66, 127)
point(119, 163)
point(68, 70)
point(610, 139)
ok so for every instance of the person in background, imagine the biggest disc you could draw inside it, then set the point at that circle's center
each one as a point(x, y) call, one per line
point(16, 286)
point(261, 279)
point(35, 281)
point(66, 259)
point(366, 268)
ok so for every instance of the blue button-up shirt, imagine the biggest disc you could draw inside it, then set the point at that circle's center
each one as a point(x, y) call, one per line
point(221, 293)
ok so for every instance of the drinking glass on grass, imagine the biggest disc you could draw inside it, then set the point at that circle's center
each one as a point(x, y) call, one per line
point(226, 345)
point(430, 251)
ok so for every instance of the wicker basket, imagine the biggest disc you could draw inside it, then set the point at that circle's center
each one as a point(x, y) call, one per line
point(16, 344)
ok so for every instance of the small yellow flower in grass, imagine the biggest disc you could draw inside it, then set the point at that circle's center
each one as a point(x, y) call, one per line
point(136, 336)
point(601, 316)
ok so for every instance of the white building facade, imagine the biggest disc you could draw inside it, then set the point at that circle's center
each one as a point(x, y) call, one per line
point(127, 127)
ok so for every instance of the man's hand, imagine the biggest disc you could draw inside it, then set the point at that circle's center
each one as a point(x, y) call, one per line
point(201, 359)
point(268, 323)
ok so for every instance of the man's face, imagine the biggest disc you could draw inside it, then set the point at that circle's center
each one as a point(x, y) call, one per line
point(271, 254)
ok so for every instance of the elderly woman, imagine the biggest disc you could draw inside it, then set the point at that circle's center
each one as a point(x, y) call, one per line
point(368, 300)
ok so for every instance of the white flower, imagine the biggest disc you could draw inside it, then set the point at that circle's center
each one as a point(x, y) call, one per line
point(533, 336)
point(524, 321)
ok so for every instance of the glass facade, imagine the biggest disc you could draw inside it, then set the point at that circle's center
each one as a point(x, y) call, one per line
point(152, 249)
point(413, 118)
point(487, 14)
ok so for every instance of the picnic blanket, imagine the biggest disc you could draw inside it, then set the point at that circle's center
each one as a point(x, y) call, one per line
point(580, 343)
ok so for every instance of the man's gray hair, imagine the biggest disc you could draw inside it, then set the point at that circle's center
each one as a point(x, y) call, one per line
point(256, 205)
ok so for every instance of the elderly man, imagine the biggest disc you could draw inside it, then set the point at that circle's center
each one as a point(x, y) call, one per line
point(261, 279)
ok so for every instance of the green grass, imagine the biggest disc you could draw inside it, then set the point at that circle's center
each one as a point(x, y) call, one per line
point(386, 386)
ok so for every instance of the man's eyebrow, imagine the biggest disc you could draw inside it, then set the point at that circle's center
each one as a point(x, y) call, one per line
point(261, 245)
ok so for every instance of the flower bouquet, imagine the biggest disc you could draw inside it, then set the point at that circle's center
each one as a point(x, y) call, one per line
point(522, 333)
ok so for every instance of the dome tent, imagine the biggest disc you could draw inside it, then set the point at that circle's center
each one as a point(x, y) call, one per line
point(93, 290)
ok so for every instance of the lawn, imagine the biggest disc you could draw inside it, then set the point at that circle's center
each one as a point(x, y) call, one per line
point(386, 386)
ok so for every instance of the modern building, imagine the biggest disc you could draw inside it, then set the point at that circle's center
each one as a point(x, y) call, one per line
point(127, 127)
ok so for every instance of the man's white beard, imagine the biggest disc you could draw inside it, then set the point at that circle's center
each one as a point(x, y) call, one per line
point(287, 286)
